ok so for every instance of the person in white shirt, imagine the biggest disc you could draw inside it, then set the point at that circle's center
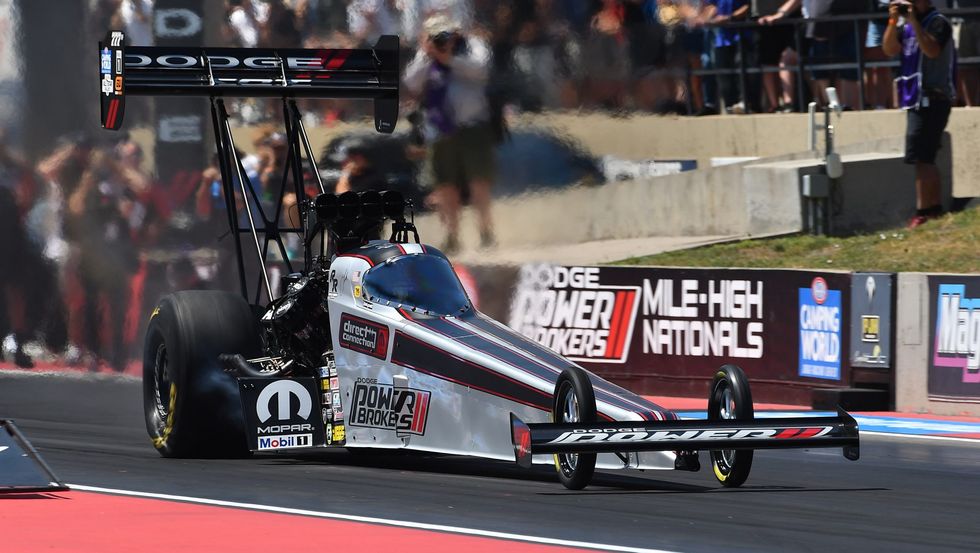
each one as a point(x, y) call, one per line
point(449, 77)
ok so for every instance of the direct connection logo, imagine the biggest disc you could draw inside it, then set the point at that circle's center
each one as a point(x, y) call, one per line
point(363, 336)
point(569, 311)
point(387, 407)
point(958, 331)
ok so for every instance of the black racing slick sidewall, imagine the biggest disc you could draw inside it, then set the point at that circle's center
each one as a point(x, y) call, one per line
point(576, 380)
point(195, 327)
point(733, 377)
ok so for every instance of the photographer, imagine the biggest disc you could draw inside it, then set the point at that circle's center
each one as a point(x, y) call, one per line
point(925, 89)
point(449, 76)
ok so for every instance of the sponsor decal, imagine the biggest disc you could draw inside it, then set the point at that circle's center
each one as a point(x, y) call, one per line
point(334, 383)
point(363, 336)
point(283, 391)
point(957, 340)
point(357, 290)
point(870, 328)
point(105, 61)
point(281, 413)
point(116, 39)
point(285, 442)
point(578, 314)
point(820, 331)
point(118, 85)
point(871, 306)
point(954, 340)
point(338, 433)
point(703, 317)
point(568, 310)
point(387, 407)
point(639, 435)
point(107, 85)
point(119, 61)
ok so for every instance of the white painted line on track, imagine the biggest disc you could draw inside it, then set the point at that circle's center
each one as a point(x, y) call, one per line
point(372, 520)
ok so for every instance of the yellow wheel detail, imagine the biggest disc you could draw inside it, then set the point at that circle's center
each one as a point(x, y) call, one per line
point(161, 440)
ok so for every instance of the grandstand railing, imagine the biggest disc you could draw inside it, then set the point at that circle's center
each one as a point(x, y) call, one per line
point(856, 22)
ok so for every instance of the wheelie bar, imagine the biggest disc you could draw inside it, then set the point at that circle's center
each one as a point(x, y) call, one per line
point(683, 435)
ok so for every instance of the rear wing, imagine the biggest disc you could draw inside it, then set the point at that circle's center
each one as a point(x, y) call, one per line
point(248, 72)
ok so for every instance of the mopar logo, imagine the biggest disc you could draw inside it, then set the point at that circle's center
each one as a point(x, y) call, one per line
point(282, 391)
point(279, 429)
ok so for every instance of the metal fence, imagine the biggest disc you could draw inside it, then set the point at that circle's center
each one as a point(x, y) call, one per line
point(857, 24)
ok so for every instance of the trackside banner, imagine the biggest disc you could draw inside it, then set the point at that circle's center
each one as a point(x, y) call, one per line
point(669, 324)
point(954, 338)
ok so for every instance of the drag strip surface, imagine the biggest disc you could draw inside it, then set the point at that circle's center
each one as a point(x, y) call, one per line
point(903, 495)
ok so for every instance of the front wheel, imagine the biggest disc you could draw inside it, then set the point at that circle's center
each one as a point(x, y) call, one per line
point(731, 399)
point(574, 402)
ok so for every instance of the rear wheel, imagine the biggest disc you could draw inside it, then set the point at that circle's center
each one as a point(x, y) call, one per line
point(731, 399)
point(574, 402)
point(191, 405)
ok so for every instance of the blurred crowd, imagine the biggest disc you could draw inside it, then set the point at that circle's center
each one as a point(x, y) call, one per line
point(97, 239)
point(641, 55)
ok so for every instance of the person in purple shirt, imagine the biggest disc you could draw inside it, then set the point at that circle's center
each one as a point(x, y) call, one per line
point(925, 89)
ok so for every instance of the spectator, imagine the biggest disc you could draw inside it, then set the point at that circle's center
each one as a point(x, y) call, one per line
point(925, 90)
point(99, 217)
point(828, 43)
point(724, 48)
point(606, 56)
point(777, 48)
point(245, 19)
point(357, 172)
point(369, 19)
point(449, 75)
point(280, 29)
point(879, 81)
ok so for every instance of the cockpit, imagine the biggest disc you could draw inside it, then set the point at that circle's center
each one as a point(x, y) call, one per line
point(420, 281)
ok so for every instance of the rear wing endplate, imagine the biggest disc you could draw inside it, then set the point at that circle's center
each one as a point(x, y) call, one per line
point(370, 73)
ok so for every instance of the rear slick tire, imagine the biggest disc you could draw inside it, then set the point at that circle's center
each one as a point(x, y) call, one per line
point(574, 402)
point(191, 405)
point(731, 399)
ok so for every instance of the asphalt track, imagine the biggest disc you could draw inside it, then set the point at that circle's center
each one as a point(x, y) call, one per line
point(905, 494)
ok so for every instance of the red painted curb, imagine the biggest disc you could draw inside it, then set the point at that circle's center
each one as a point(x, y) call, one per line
point(81, 521)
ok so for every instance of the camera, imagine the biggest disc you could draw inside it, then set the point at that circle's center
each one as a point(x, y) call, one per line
point(442, 39)
point(904, 8)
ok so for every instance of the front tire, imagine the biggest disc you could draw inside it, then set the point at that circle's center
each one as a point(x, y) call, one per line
point(574, 402)
point(731, 399)
point(192, 407)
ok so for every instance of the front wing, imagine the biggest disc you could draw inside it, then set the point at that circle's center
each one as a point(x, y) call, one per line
point(685, 435)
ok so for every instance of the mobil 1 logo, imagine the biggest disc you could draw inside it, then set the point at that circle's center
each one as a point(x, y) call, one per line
point(281, 413)
point(387, 407)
